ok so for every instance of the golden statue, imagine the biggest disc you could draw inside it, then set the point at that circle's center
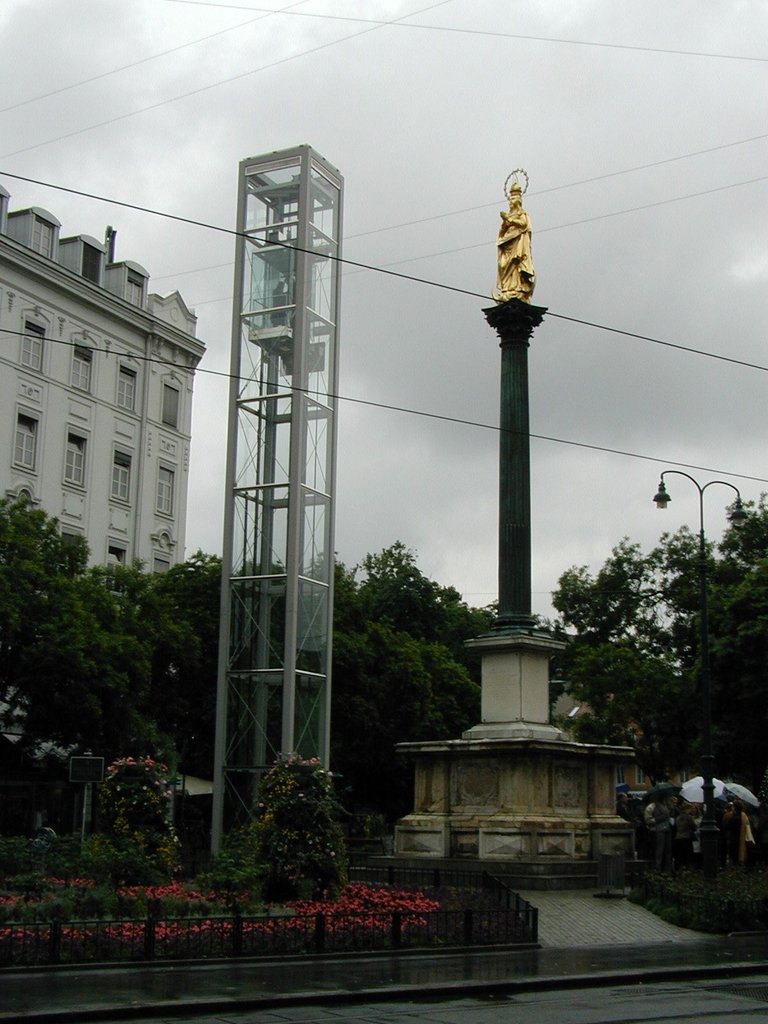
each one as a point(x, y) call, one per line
point(516, 277)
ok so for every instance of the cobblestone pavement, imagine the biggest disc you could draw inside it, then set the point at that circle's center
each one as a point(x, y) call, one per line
point(579, 918)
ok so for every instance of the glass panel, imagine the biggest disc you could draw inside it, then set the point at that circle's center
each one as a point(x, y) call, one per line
point(261, 529)
point(257, 623)
point(266, 357)
point(272, 196)
point(312, 629)
point(310, 715)
point(254, 727)
point(269, 279)
point(317, 452)
point(322, 295)
point(263, 442)
point(314, 540)
point(319, 360)
point(324, 204)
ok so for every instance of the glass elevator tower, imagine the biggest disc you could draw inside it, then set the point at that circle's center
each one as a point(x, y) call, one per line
point(277, 592)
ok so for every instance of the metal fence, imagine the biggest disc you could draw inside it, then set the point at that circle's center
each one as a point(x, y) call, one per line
point(500, 917)
point(708, 913)
point(120, 941)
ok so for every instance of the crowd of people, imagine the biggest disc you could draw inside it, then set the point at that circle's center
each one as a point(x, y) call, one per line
point(667, 831)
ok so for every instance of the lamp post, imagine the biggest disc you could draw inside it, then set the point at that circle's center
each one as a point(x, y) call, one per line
point(708, 829)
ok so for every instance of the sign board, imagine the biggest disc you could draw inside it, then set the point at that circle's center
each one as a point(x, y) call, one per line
point(86, 769)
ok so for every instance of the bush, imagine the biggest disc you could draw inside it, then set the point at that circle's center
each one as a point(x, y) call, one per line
point(236, 872)
point(140, 845)
point(297, 832)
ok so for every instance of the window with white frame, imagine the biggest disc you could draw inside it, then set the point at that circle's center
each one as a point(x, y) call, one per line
point(81, 368)
point(32, 346)
point(161, 563)
point(115, 554)
point(121, 476)
point(126, 388)
point(134, 288)
point(42, 237)
point(74, 461)
point(25, 447)
point(165, 481)
point(170, 410)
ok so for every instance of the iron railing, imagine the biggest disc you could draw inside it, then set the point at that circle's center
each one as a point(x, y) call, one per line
point(56, 942)
point(708, 913)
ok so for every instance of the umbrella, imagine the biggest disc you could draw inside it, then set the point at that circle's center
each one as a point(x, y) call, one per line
point(662, 790)
point(693, 790)
point(738, 792)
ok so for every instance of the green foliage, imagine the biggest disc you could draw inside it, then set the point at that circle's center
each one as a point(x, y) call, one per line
point(105, 660)
point(236, 871)
point(735, 900)
point(400, 673)
point(297, 832)
point(634, 657)
point(139, 841)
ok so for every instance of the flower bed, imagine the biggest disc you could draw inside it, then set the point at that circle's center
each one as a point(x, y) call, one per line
point(363, 917)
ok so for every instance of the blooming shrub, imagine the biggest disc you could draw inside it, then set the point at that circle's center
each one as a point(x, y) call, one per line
point(297, 833)
point(138, 843)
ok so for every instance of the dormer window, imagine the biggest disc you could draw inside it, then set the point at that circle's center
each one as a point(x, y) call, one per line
point(134, 288)
point(91, 266)
point(42, 237)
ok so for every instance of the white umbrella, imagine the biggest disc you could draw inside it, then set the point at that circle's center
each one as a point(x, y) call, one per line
point(693, 789)
point(738, 792)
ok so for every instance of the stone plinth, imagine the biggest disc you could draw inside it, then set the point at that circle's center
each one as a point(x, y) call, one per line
point(514, 798)
point(515, 686)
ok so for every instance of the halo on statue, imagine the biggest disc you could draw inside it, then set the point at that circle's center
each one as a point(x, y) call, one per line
point(513, 174)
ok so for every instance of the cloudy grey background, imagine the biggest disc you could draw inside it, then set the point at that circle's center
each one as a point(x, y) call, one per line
point(643, 128)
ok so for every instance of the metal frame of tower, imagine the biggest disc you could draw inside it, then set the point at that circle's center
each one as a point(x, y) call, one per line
point(277, 578)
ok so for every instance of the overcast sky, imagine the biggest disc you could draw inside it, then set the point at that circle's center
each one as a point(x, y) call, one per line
point(643, 129)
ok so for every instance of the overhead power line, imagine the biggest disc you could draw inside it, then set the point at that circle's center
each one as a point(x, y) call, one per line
point(214, 85)
point(145, 60)
point(486, 32)
point(382, 270)
point(407, 410)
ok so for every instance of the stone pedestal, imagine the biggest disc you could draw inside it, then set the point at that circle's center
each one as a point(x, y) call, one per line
point(515, 686)
point(514, 799)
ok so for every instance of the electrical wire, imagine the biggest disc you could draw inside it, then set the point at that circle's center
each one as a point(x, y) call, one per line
point(383, 270)
point(489, 33)
point(389, 407)
point(144, 60)
point(215, 85)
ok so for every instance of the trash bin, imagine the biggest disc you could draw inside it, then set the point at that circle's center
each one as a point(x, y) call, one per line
point(611, 874)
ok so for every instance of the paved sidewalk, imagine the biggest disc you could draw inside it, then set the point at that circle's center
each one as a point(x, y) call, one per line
point(579, 918)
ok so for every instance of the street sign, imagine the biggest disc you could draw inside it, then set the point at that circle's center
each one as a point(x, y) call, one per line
point(86, 769)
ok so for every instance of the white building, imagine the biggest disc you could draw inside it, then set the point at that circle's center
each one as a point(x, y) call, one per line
point(96, 380)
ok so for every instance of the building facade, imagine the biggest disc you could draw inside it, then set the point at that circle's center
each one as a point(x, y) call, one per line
point(96, 387)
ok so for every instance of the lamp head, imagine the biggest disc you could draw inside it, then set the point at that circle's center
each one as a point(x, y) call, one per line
point(662, 499)
point(738, 514)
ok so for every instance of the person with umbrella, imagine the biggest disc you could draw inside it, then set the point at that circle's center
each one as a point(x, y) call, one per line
point(662, 824)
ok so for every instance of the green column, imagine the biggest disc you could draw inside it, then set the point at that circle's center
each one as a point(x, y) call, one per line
point(514, 322)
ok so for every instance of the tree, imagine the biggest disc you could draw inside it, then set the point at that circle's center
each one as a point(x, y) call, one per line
point(624, 659)
point(634, 655)
point(185, 660)
point(110, 660)
point(400, 673)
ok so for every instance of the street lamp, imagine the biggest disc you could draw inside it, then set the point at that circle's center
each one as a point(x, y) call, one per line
point(708, 829)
